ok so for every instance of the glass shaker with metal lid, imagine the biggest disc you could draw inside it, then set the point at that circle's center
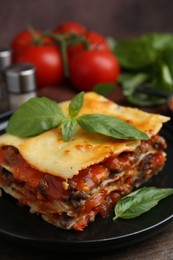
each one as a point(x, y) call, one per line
point(21, 83)
point(5, 61)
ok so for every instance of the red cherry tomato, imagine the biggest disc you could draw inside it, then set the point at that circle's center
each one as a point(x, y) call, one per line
point(95, 42)
point(47, 61)
point(70, 27)
point(22, 40)
point(89, 68)
point(28, 38)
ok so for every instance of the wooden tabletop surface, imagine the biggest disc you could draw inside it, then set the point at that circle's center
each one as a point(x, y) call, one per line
point(158, 247)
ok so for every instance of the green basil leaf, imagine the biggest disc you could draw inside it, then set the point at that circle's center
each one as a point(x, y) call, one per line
point(111, 42)
point(167, 57)
point(162, 77)
point(135, 53)
point(76, 104)
point(159, 41)
point(140, 201)
point(104, 89)
point(142, 99)
point(130, 81)
point(34, 117)
point(110, 126)
point(68, 128)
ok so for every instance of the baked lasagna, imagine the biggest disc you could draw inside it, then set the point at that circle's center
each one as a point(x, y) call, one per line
point(69, 183)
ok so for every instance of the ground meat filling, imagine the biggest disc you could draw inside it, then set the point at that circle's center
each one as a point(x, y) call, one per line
point(10, 155)
point(6, 175)
point(76, 198)
point(94, 190)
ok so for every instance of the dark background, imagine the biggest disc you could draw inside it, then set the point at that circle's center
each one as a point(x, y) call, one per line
point(118, 18)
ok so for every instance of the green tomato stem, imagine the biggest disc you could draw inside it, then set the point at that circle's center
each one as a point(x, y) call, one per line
point(63, 49)
point(61, 41)
point(37, 40)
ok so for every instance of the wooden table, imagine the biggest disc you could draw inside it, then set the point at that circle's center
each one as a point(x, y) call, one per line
point(158, 247)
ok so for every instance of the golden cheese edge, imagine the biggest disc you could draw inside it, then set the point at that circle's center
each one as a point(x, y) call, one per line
point(48, 152)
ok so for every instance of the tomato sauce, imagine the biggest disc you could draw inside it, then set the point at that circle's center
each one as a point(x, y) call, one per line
point(90, 176)
point(158, 160)
point(119, 163)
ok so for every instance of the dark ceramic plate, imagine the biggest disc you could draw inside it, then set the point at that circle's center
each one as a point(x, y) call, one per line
point(18, 224)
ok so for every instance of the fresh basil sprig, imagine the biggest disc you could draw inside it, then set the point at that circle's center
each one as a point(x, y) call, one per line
point(140, 201)
point(41, 114)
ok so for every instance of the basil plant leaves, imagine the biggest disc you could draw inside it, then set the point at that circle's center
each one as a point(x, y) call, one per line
point(40, 114)
point(145, 61)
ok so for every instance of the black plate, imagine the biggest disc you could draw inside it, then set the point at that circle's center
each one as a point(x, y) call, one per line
point(103, 234)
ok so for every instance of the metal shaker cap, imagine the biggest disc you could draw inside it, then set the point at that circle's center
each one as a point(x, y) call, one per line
point(20, 78)
point(5, 58)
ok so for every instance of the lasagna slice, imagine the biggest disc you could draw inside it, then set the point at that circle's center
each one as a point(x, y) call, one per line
point(69, 183)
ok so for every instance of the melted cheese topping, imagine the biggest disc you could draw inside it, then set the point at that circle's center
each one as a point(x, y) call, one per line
point(48, 152)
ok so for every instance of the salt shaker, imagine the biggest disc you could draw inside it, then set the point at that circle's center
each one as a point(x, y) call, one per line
point(21, 84)
point(5, 61)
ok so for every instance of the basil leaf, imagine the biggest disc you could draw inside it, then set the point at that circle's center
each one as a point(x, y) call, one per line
point(104, 89)
point(167, 57)
point(34, 117)
point(135, 53)
point(131, 81)
point(159, 41)
point(68, 128)
point(111, 42)
point(140, 201)
point(162, 77)
point(76, 104)
point(110, 126)
point(142, 99)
